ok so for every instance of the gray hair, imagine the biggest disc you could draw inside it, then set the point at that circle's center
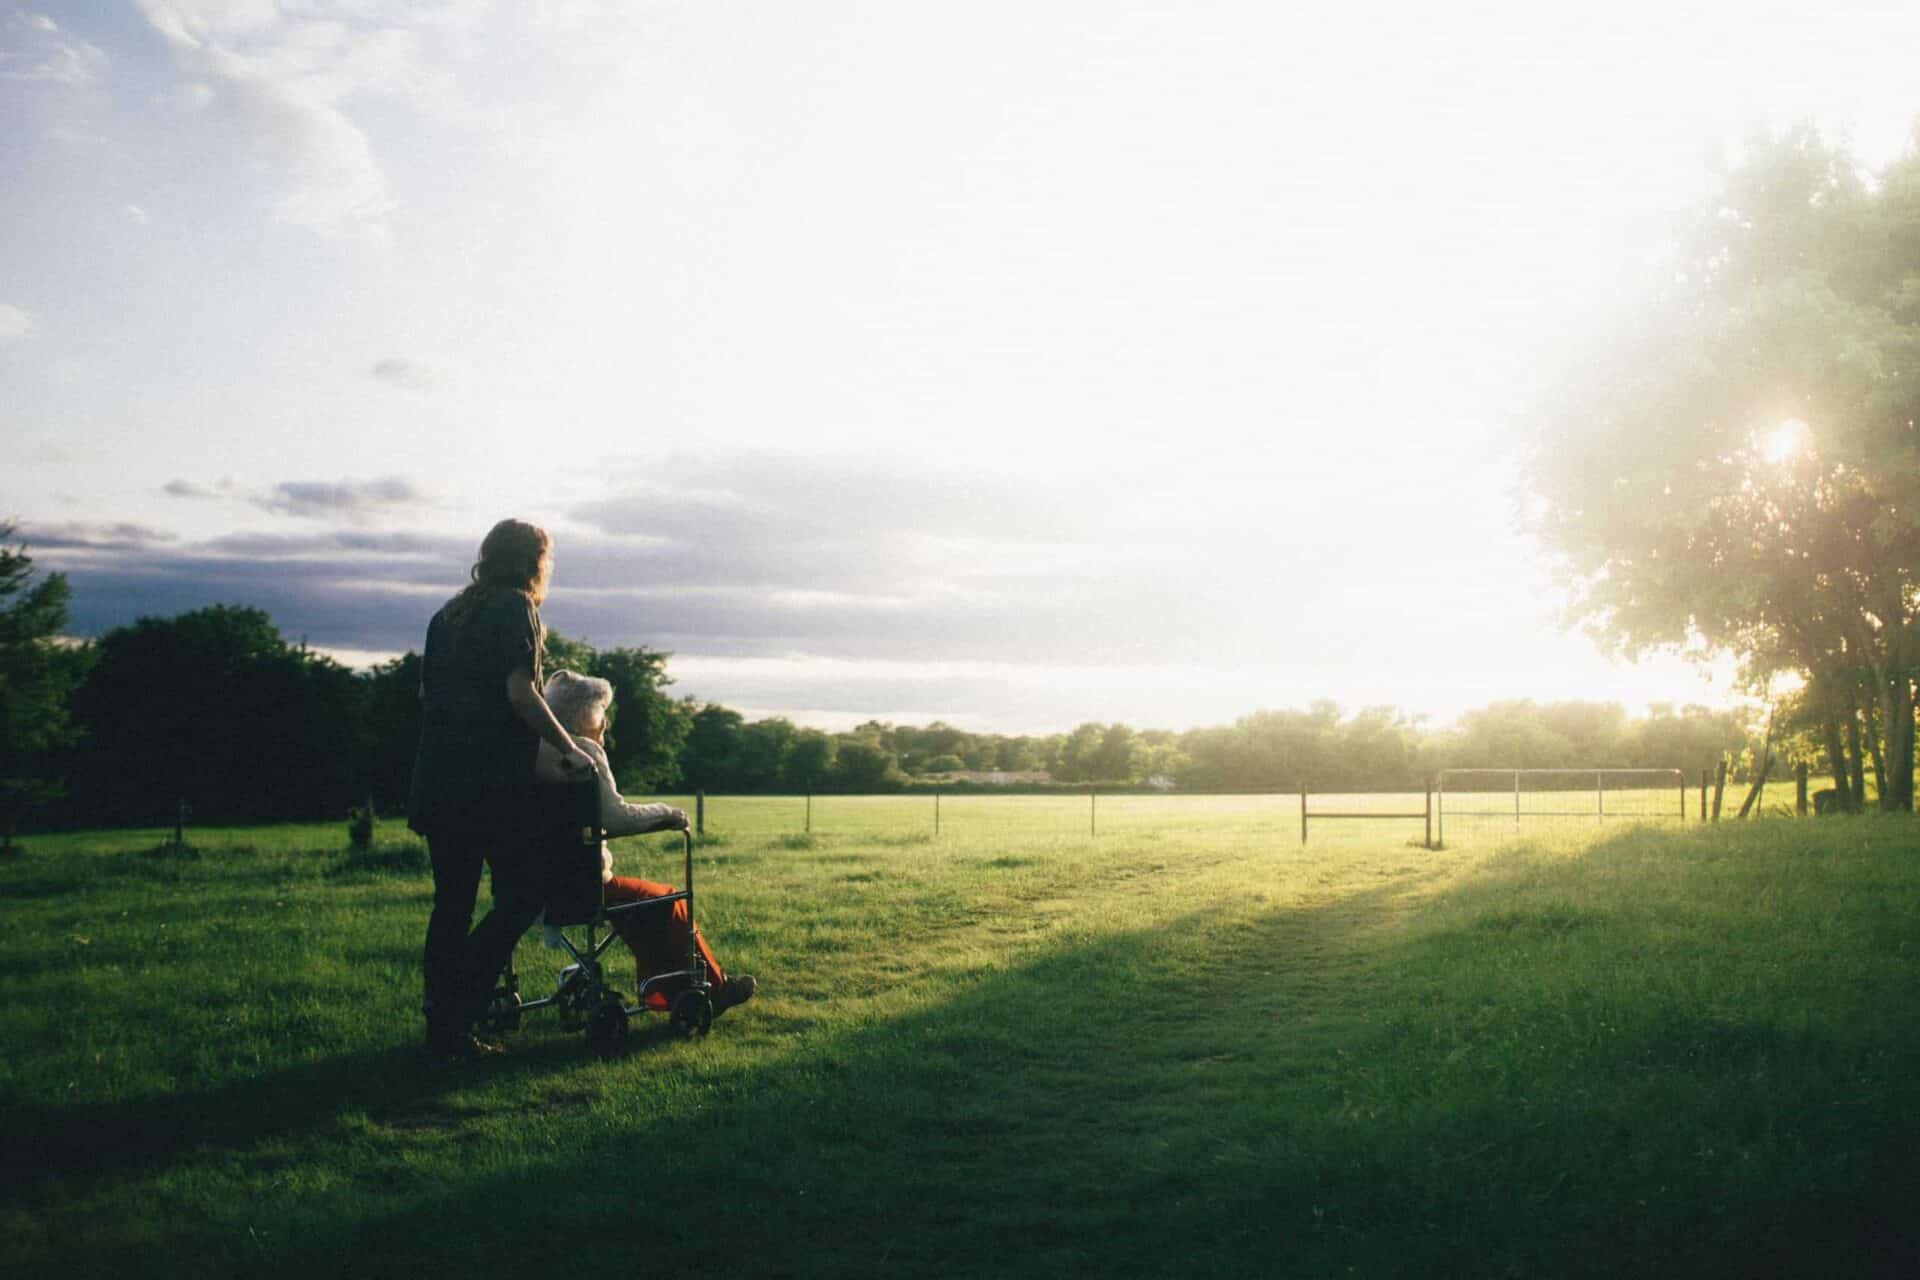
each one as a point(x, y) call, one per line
point(577, 700)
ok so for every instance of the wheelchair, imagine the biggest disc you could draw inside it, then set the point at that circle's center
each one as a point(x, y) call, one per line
point(569, 840)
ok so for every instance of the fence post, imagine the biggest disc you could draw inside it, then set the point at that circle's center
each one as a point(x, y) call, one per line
point(1303, 813)
point(1429, 813)
point(180, 811)
point(1703, 795)
point(699, 813)
point(1093, 810)
point(1516, 799)
point(1719, 788)
point(809, 813)
point(1599, 796)
point(1800, 789)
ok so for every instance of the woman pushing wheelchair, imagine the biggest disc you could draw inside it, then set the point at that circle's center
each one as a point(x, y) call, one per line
point(484, 719)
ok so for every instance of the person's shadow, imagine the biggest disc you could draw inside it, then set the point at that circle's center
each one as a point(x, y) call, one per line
point(401, 1085)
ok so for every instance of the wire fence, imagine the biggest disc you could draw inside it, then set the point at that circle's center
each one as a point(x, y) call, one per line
point(1461, 805)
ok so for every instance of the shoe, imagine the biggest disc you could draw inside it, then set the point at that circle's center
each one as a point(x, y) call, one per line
point(734, 991)
point(461, 1046)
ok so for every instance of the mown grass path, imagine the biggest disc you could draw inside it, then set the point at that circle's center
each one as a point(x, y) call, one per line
point(1188, 1047)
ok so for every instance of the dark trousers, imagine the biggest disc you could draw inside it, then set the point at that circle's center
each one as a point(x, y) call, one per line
point(461, 966)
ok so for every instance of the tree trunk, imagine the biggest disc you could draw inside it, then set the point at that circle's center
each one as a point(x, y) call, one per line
point(1836, 756)
point(1856, 761)
point(1868, 708)
point(1899, 721)
point(1895, 767)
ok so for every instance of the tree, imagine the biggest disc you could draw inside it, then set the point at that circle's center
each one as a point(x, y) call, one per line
point(645, 727)
point(1119, 756)
point(213, 707)
point(713, 741)
point(862, 764)
point(761, 754)
point(37, 675)
point(1738, 468)
point(389, 729)
point(809, 761)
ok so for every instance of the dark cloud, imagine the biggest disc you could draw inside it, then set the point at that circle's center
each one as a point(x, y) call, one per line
point(769, 557)
point(407, 375)
point(75, 536)
point(188, 489)
point(350, 498)
point(332, 545)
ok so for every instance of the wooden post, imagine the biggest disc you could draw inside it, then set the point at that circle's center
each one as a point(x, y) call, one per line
point(1800, 789)
point(1303, 813)
point(1599, 795)
point(1703, 795)
point(1719, 788)
point(1754, 802)
point(1429, 813)
point(699, 813)
point(1093, 810)
point(180, 811)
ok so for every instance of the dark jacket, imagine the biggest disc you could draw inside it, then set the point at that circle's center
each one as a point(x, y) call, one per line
point(473, 774)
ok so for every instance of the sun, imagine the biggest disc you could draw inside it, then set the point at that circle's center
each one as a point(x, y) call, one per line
point(1784, 441)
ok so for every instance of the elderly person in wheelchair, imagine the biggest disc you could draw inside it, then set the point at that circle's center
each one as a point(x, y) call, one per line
point(657, 938)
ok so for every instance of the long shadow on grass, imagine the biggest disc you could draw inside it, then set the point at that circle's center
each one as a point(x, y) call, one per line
point(52, 1144)
point(1305, 1094)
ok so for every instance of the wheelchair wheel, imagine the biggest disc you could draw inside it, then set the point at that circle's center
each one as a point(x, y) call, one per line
point(692, 1013)
point(503, 1011)
point(607, 1028)
point(575, 999)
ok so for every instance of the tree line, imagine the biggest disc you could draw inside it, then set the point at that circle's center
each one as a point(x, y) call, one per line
point(216, 708)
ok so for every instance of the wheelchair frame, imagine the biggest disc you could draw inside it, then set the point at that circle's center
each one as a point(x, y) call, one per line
point(583, 997)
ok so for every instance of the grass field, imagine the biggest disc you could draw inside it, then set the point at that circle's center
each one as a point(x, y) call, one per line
point(1187, 1046)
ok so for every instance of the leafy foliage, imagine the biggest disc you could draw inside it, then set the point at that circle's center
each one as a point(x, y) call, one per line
point(36, 676)
point(1737, 468)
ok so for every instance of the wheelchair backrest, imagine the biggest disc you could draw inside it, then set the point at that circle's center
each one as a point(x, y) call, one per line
point(568, 831)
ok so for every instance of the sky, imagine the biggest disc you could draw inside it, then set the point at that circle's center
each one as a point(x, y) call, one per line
point(1012, 364)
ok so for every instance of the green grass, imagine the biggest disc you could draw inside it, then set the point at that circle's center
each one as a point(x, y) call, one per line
point(1188, 1046)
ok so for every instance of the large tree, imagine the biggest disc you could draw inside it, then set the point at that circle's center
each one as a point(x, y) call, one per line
point(215, 708)
point(1736, 467)
point(37, 674)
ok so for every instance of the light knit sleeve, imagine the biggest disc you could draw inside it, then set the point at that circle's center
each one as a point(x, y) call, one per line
point(616, 815)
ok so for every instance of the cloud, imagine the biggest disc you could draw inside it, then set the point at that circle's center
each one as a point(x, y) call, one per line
point(136, 215)
point(404, 374)
point(279, 82)
point(82, 536)
point(353, 499)
point(14, 323)
point(39, 52)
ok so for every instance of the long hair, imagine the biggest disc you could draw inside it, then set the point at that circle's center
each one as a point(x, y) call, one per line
point(513, 557)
